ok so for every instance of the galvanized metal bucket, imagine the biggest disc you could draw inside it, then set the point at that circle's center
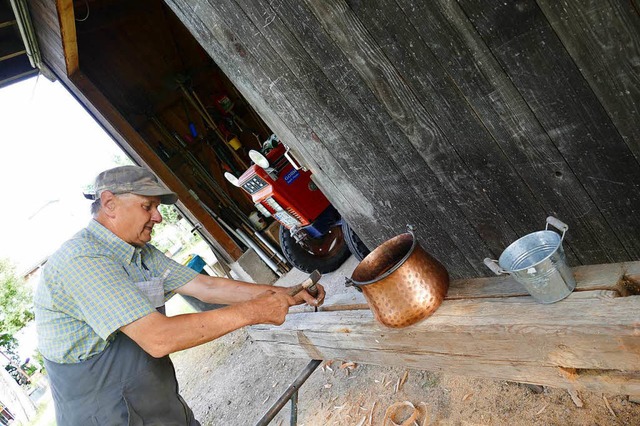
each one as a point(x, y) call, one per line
point(537, 261)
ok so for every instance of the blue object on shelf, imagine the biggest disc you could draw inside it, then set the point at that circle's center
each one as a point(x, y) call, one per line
point(196, 263)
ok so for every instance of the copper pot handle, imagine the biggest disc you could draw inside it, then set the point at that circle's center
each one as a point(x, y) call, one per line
point(348, 282)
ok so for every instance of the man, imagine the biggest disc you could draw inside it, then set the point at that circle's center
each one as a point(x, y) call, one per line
point(99, 311)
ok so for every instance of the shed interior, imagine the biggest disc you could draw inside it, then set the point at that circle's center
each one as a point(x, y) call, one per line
point(172, 93)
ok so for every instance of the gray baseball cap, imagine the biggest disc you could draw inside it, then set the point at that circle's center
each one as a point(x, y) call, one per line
point(131, 180)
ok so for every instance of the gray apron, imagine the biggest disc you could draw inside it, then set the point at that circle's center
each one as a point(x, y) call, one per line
point(122, 385)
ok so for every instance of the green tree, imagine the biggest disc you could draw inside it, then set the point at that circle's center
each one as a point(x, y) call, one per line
point(16, 306)
point(167, 233)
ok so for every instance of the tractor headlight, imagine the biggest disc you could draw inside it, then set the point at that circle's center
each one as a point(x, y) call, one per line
point(273, 204)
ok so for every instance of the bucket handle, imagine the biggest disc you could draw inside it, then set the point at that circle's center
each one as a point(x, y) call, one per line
point(558, 224)
point(494, 266)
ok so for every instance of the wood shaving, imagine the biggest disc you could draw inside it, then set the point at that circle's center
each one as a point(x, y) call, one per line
point(405, 376)
point(401, 381)
point(373, 407)
point(327, 365)
point(544, 407)
point(393, 410)
point(362, 420)
point(464, 398)
point(575, 398)
point(606, 402)
point(266, 399)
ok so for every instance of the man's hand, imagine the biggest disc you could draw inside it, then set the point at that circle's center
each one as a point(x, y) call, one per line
point(270, 307)
point(305, 297)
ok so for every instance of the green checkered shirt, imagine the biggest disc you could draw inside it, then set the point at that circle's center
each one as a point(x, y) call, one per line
point(87, 291)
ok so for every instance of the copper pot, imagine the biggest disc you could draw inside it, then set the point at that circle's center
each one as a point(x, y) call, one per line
point(402, 283)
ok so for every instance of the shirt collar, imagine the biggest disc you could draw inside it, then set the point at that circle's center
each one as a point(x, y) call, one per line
point(121, 249)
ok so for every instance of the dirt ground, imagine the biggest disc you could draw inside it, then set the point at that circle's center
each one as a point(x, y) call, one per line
point(232, 382)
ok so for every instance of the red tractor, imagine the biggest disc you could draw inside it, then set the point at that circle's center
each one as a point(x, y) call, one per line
point(312, 232)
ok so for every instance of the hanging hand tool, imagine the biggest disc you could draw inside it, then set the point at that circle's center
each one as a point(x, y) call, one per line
point(192, 126)
point(192, 97)
point(179, 145)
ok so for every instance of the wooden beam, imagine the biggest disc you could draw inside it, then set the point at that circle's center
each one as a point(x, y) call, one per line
point(496, 331)
point(67, 20)
point(593, 331)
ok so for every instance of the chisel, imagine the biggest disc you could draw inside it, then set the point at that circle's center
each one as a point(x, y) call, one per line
point(309, 284)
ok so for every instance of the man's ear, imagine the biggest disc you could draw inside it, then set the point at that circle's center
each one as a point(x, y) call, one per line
point(108, 202)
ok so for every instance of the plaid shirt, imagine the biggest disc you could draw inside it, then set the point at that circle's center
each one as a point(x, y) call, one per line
point(88, 290)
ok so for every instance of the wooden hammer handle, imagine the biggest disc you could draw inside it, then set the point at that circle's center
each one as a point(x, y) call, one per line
point(309, 284)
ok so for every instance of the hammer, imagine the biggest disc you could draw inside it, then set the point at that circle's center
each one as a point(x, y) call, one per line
point(309, 284)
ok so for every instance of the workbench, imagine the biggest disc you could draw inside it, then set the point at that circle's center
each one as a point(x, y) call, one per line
point(488, 327)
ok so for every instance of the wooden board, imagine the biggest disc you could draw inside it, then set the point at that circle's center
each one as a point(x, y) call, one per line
point(589, 30)
point(68, 34)
point(509, 337)
point(521, 39)
point(455, 46)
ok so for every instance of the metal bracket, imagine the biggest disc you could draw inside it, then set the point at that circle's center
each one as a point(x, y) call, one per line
point(296, 165)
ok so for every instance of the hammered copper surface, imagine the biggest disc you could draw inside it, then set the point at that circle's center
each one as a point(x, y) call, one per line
point(410, 293)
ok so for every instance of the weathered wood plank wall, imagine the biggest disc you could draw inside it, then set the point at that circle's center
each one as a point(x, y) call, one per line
point(472, 120)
